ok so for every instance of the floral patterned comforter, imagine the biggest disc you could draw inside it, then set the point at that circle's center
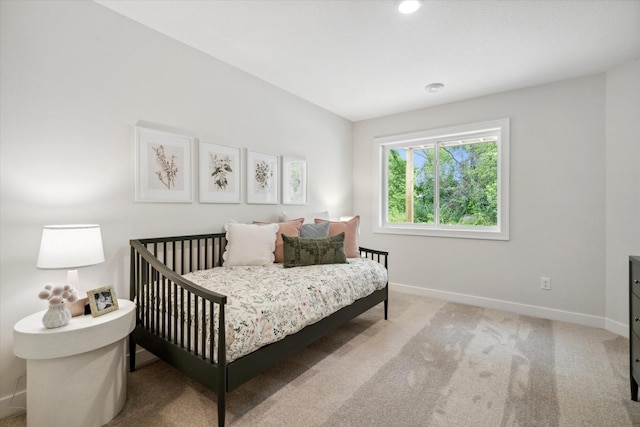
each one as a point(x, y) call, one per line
point(265, 304)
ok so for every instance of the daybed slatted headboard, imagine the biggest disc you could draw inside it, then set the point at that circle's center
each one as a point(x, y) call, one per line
point(186, 254)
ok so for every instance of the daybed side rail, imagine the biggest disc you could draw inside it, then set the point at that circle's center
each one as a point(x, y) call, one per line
point(172, 307)
point(382, 258)
point(375, 255)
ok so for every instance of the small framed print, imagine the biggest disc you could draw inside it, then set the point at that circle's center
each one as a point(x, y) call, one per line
point(163, 166)
point(294, 181)
point(102, 300)
point(220, 173)
point(262, 178)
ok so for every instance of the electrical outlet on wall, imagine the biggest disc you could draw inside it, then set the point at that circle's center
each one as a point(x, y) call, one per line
point(545, 283)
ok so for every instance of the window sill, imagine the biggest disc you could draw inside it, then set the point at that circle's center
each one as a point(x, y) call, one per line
point(489, 233)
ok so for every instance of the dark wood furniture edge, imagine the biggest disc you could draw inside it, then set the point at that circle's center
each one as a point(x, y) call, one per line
point(632, 282)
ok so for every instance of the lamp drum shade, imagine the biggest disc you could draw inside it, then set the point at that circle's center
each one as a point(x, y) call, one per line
point(70, 246)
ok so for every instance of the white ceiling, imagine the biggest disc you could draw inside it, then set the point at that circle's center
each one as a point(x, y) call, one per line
point(362, 59)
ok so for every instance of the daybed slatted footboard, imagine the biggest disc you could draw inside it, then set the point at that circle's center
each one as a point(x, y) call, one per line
point(176, 318)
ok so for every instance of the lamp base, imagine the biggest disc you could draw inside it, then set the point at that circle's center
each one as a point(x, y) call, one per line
point(77, 308)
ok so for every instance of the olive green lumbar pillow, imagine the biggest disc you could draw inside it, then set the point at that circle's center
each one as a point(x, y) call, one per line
point(300, 251)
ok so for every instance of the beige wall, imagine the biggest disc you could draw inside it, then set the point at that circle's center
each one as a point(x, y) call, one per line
point(557, 208)
point(75, 79)
point(622, 205)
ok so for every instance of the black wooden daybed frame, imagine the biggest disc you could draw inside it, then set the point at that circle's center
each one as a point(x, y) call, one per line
point(157, 266)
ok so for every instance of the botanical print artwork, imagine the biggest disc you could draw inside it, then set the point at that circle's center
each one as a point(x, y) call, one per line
point(263, 180)
point(163, 166)
point(168, 170)
point(263, 175)
point(166, 174)
point(221, 172)
point(294, 181)
point(220, 167)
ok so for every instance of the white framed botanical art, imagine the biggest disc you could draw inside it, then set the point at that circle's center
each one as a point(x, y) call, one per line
point(220, 173)
point(262, 178)
point(163, 166)
point(294, 181)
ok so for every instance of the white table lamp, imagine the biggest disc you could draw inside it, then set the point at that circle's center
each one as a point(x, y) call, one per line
point(70, 247)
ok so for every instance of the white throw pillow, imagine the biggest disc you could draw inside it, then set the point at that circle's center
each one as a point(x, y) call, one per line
point(309, 218)
point(250, 244)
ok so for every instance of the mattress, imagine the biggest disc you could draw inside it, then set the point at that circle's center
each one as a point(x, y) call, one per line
point(267, 303)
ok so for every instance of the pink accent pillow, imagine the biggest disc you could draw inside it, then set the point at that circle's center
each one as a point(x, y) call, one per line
point(290, 228)
point(350, 229)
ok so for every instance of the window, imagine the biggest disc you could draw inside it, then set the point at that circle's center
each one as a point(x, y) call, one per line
point(451, 182)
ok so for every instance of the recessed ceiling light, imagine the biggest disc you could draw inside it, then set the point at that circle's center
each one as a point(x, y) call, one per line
point(408, 6)
point(434, 87)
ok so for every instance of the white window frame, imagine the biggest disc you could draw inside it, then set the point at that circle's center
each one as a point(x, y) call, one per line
point(467, 131)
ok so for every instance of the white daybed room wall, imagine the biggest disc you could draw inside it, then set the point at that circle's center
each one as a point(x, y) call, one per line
point(75, 79)
point(622, 199)
point(574, 203)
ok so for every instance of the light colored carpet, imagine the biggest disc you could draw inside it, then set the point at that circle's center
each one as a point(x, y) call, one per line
point(433, 363)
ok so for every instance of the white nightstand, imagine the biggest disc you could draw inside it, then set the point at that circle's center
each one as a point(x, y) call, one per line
point(76, 374)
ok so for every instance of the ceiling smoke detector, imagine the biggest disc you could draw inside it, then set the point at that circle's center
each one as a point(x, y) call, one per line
point(408, 6)
point(434, 87)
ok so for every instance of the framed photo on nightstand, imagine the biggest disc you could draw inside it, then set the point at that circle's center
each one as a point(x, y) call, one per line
point(102, 300)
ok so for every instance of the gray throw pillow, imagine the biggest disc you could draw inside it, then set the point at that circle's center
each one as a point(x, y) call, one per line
point(315, 231)
point(299, 251)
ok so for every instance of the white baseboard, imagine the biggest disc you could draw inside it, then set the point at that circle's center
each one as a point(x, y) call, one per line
point(617, 327)
point(10, 408)
point(514, 307)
